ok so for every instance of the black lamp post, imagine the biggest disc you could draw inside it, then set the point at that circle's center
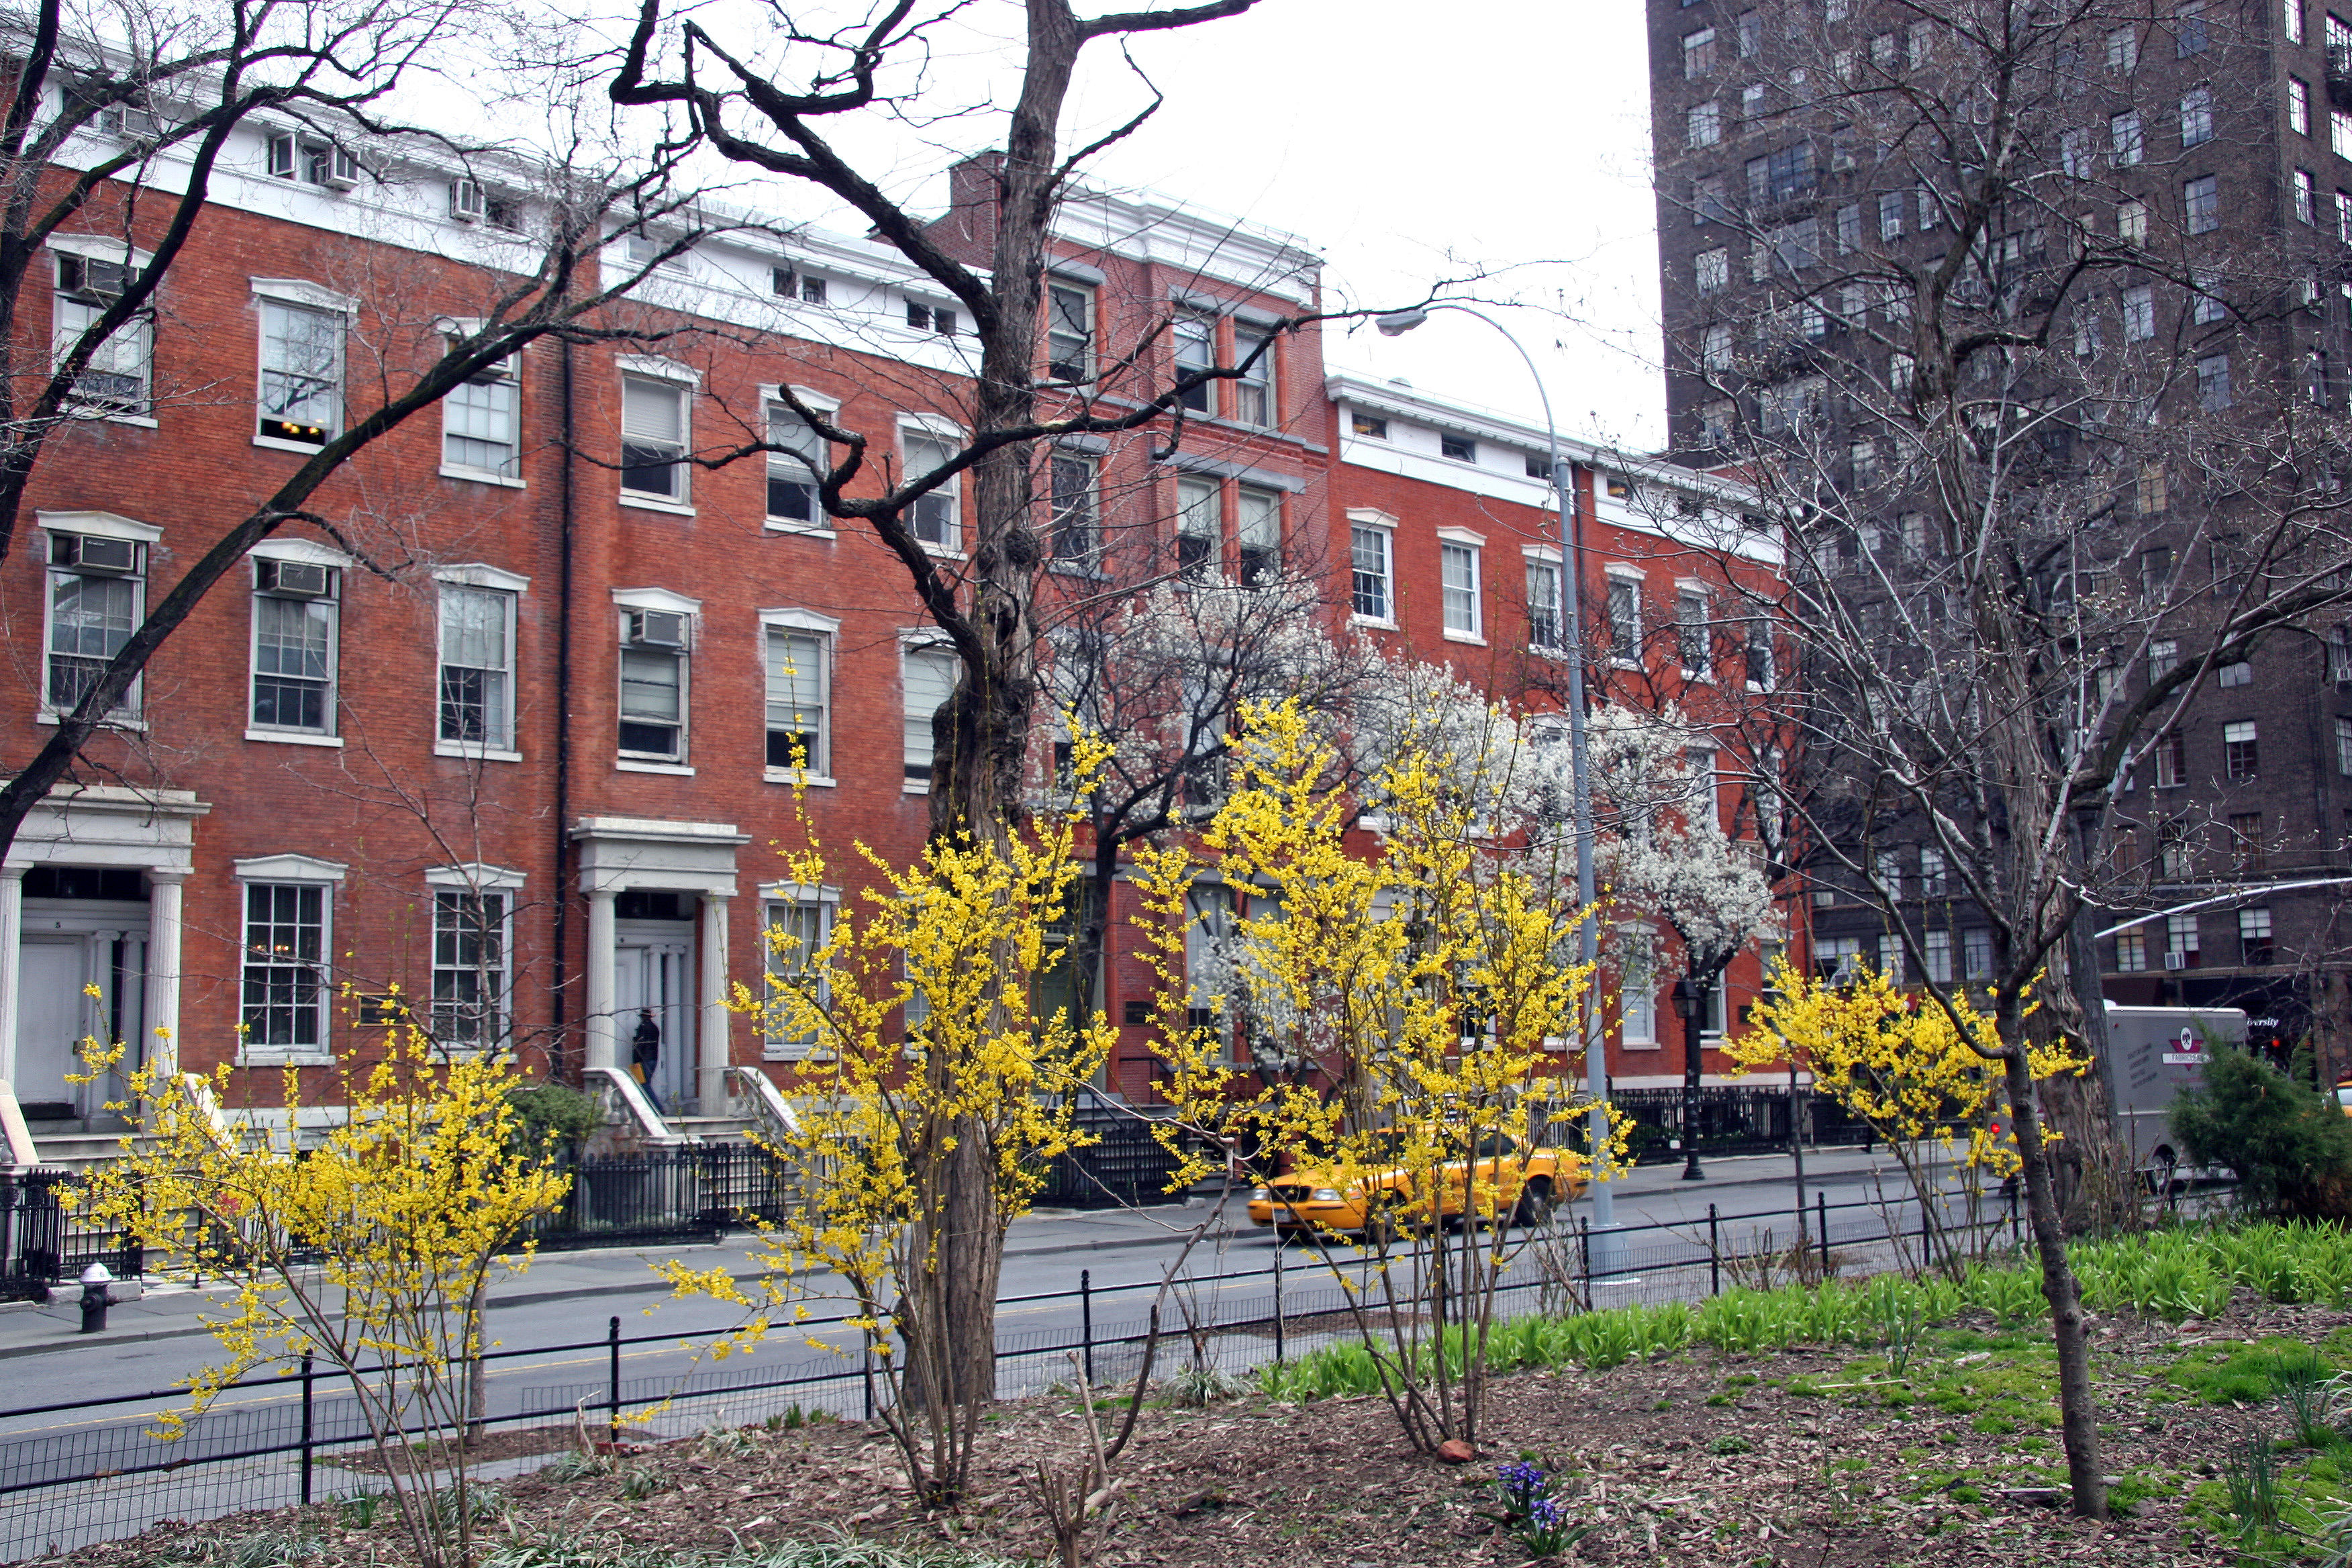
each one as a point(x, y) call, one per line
point(1690, 1006)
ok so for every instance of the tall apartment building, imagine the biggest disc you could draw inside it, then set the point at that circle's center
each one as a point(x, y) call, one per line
point(2175, 261)
point(512, 744)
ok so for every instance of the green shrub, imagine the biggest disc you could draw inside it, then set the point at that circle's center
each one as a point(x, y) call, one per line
point(554, 1115)
point(2290, 1146)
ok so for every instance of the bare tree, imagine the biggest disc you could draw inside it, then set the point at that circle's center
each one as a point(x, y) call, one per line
point(2044, 438)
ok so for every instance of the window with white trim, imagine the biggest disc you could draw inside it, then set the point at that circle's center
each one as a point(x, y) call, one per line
point(2254, 946)
point(1937, 956)
point(118, 378)
point(928, 672)
point(1193, 340)
point(471, 979)
point(98, 595)
point(2241, 754)
point(1543, 605)
point(1693, 645)
point(476, 685)
point(1254, 388)
point(1637, 999)
point(1257, 532)
point(295, 622)
point(1074, 536)
point(2131, 951)
point(481, 423)
point(1070, 331)
point(282, 1004)
point(1458, 575)
point(1200, 526)
point(799, 680)
point(1975, 954)
point(1625, 619)
point(654, 644)
point(301, 383)
point(1371, 572)
point(654, 426)
point(935, 516)
point(2344, 746)
point(2181, 939)
point(797, 930)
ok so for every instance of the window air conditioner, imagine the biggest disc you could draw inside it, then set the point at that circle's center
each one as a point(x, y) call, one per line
point(2175, 961)
point(657, 629)
point(466, 204)
point(91, 553)
point(92, 282)
point(343, 171)
point(296, 579)
point(126, 120)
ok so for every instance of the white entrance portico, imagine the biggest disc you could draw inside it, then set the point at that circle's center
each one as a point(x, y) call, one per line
point(620, 855)
point(111, 863)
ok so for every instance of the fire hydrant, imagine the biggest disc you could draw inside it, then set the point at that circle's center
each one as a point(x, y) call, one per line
point(94, 1281)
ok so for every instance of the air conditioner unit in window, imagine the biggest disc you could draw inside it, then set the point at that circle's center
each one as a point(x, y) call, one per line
point(2175, 961)
point(92, 282)
point(466, 202)
point(343, 171)
point(91, 553)
point(296, 579)
point(657, 629)
point(126, 120)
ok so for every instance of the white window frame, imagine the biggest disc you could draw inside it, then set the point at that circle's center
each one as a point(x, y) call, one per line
point(137, 333)
point(781, 466)
point(1543, 568)
point(477, 880)
point(918, 749)
point(297, 871)
point(143, 537)
point(1936, 951)
point(1976, 940)
point(1637, 1009)
point(1257, 532)
point(506, 374)
point(1262, 383)
point(486, 579)
point(1057, 287)
point(1366, 523)
point(626, 600)
point(826, 903)
point(293, 294)
point(1192, 348)
point(1461, 604)
point(300, 553)
point(944, 433)
point(1200, 519)
point(651, 371)
point(1631, 579)
point(827, 630)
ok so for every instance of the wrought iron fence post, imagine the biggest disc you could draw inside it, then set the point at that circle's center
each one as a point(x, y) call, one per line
point(1714, 1256)
point(613, 1379)
point(1087, 1321)
point(868, 1381)
point(305, 1428)
point(1584, 1256)
point(1277, 1297)
point(1821, 1206)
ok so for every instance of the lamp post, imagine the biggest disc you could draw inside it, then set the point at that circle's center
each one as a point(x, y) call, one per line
point(1606, 1241)
point(1690, 1006)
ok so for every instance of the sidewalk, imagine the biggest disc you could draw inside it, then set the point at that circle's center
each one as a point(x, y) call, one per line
point(172, 1311)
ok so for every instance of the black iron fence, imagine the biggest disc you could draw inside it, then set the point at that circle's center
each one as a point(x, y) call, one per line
point(46, 1237)
point(1745, 1120)
point(1124, 1164)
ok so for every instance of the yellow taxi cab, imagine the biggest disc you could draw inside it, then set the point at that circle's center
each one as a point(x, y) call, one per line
point(1510, 1176)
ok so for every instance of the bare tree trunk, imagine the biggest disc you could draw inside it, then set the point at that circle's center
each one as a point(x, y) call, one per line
point(2077, 1408)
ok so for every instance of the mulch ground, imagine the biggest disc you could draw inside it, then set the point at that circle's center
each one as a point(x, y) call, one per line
point(1822, 1459)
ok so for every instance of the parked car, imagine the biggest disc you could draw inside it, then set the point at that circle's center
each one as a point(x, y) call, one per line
point(1509, 1176)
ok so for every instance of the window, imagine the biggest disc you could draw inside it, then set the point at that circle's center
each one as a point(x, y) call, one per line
point(1692, 643)
point(931, 318)
point(1258, 531)
point(1932, 881)
point(1938, 952)
point(1070, 331)
point(2291, 12)
point(1715, 350)
point(2195, 117)
point(927, 674)
point(2123, 51)
point(478, 667)
point(1882, 51)
point(1712, 270)
point(1698, 53)
point(2344, 217)
point(2240, 756)
point(2131, 951)
point(283, 1003)
point(2180, 946)
point(96, 597)
point(1752, 102)
point(1637, 1003)
point(1760, 655)
point(1369, 428)
point(2201, 200)
point(1836, 958)
point(1368, 549)
point(1200, 526)
point(116, 379)
point(1625, 620)
point(2254, 947)
point(1781, 175)
point(1889, 866)
point(2188, 36)
point(797, 930)
point(1890, 215)
point(1919, 43)
point(302, 374)
point(1255, 402)
point(799, 687)
point(1975, 954)
point(2339, 654)
point(2344, 746)
point(794, 471)
point(1461, 448)
point(481, 424)
point(1707, 205)
point(1703, 125)
point(2152, 495)
point(1751, 30)
point(2171, 759)
point(2250, 848)
point(2305, 197)
point(294, 627)
point(2124, 138)
point(2139, 313)
point(935, 517)
point(1458, 574)
point(2238, 674)
point(2206, 306)
point(2131, 223)
point(2339, 133)
point(652, 438)
point(811, 290)
point(2298, 106)
point(1544, 630)
point(2213, 383)
point(311, 163)
point(1714, 421)
point(2074, 154)
point(1194, 341)
point(469, 969)
point(653, 685)
point(1862, 461)
point(1074, 536)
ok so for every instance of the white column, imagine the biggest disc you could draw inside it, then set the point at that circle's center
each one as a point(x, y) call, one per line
point(601, 1052)
point(710, 1075)
point(12, 934)
point(163, 1044)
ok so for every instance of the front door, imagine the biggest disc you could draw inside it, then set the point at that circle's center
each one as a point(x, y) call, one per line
point(652, 973)
point(52, 1016)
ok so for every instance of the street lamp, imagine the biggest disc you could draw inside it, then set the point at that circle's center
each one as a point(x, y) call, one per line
point(1690, 1006)
point(1571, 561)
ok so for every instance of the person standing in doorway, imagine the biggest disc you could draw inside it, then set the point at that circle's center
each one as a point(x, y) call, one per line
point(645, 1056)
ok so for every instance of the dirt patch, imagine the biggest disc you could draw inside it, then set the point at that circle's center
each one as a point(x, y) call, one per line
point(497, 1443)
point(1828, 1458)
